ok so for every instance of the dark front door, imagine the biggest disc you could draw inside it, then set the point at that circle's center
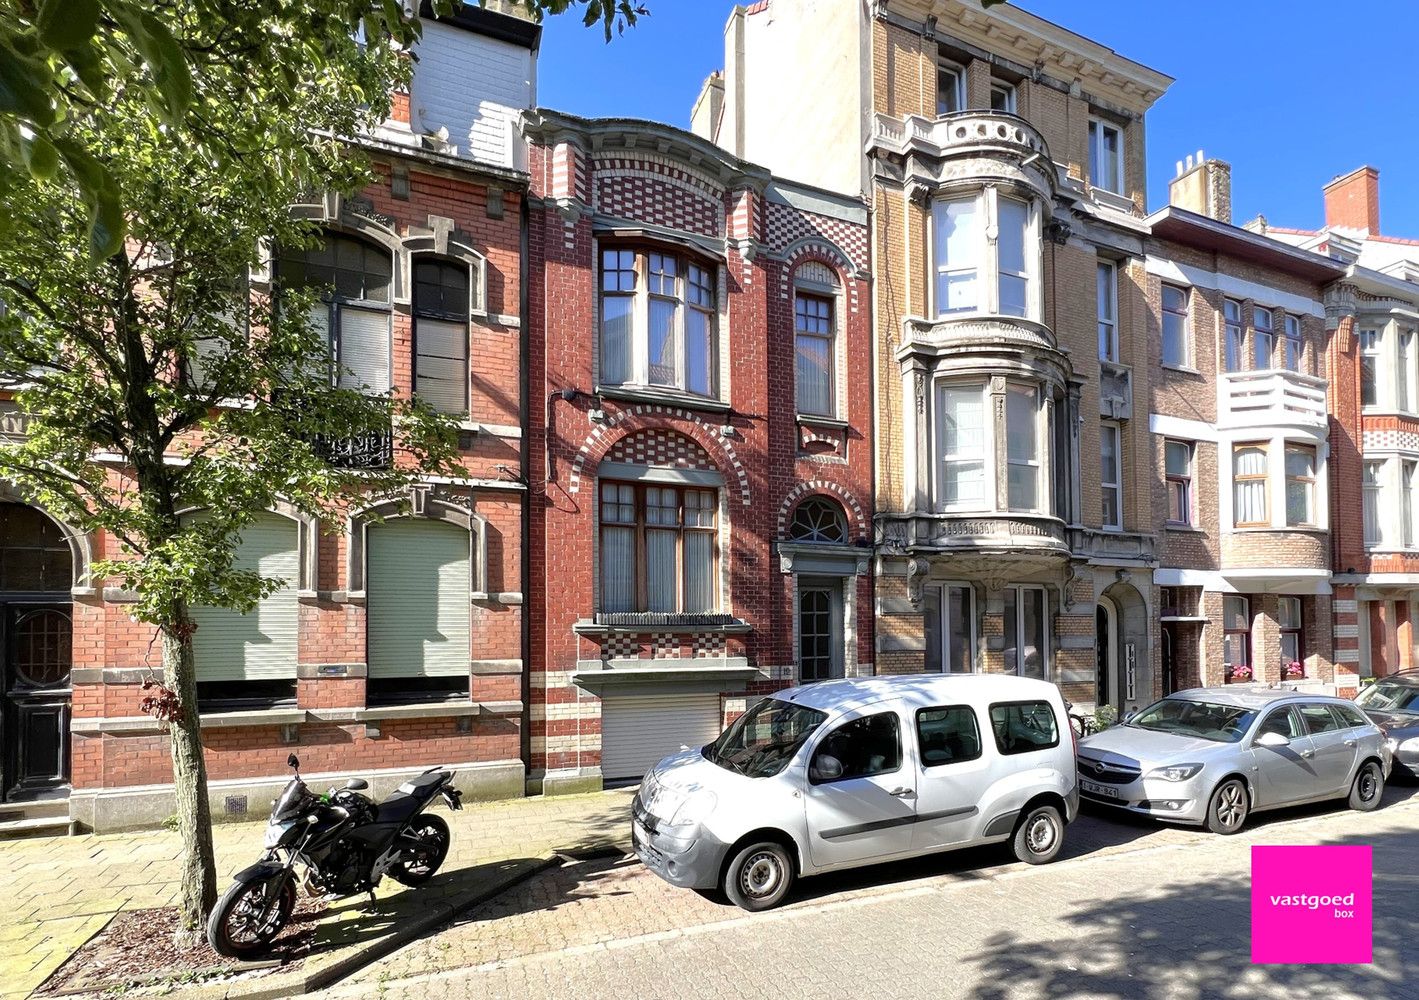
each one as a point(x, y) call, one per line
point(34, 724)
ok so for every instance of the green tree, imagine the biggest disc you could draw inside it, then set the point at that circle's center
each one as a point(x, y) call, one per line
point(150, 153)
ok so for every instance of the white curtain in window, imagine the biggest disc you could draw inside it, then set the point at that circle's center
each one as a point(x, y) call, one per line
point(1373, 534)
point(661, 585)
point(364, 349)
point(699, 354)
point(664, 362)
point(962, 437)
point(441, 368)
point(815, 369)
point(618, 569)
point(1250, 494)
point(699, 571)
point(616, 313)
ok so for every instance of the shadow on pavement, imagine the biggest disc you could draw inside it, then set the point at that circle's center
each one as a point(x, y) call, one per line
point(1139, 949)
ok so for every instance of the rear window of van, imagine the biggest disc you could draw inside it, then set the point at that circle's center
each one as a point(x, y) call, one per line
point(1024, 726)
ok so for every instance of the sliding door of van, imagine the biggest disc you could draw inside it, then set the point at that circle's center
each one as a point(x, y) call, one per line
point(954, 776)
point(861, 797)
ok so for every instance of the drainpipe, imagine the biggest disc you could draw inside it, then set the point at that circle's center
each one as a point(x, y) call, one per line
point(524, 381)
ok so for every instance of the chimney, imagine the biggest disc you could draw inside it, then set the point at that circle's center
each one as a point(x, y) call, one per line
point(1353, 201)
point(1203, 186)
point(709, 106)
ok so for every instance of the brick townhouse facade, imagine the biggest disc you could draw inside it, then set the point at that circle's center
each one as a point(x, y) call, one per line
point(391, 646)
point(1372, 315)
point(1004, 168)
point(1242, 451)
point(700, 442)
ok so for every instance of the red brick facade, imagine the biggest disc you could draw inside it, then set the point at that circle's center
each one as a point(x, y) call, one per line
point(598, 185)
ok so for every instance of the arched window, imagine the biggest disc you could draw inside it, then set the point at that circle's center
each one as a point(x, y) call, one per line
point(441, 335)
point(34, 555)
point(818, 519)
point(355, 279)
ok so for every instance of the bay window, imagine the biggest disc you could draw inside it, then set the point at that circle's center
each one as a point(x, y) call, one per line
point(1408, 472)
point(1026, 640)
point(976, 273)
point(1300, 485)
point(961, 440)
point(1249, 474)
point(1111, 474)
point(1369, 367)
point(657, 548)
point(1404, 371)
point(1022, 446)
point(658, 321)
point(1263, 338)
point(1370, 488)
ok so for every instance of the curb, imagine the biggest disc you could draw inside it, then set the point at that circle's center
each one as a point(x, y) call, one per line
point(277, 986)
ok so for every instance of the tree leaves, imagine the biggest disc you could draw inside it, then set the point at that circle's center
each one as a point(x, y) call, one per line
point(65, 25)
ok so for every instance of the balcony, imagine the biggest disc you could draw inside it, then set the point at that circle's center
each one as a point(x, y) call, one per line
point(1271, 399)
point(362, 451)
point(964, 131)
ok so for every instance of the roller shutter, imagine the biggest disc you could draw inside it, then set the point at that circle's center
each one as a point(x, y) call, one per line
point(638, 730)
point(259, 645)
point(417, 597)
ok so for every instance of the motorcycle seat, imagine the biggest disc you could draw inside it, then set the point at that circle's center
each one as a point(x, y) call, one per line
point(425, 785)
point(397, 808)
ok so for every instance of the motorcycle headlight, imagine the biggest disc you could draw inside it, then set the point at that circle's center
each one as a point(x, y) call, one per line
point(694, 810)
point(1175, 772)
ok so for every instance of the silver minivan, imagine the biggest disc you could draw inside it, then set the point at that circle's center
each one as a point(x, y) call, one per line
point(853, 772)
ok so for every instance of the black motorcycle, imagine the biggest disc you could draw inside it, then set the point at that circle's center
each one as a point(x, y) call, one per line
point(345, 845)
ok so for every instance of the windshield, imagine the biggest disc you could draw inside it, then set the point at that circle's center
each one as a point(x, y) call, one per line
point(764, 739)
point(1387, 696)
point(1203, 719)
point(292, 801)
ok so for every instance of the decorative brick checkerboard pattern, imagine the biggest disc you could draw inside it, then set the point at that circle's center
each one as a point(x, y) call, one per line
point(660, 447)
point(603, 436)
point(707, 645)
point(838, 492)
point(655, 192)
point(666, 645)
point(621, 647)
point(1391, 440)
point(786, 226)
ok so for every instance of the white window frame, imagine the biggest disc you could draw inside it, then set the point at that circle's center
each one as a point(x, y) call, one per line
point(1373, 527)
point(972, 629)
point(1034, 463)
point(1108, 324)
point(1312, 511)
point(1019, 590)
point(1263, 361)
point(940, 458)
point(1371, 340)
point(1293, 346)
point(986, 258)
point(1408, 482)
point(1234, 333)
point(945, 68)
point(1189, 482)
point(1009, 94)
point(1404, 370)
point(1186, 361)
point(1116, 482)
point(1097, 153)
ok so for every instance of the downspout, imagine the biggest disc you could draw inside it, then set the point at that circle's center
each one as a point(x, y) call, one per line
point(523, 413)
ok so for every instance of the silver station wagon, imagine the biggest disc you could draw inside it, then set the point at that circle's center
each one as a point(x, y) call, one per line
point(1213, 756)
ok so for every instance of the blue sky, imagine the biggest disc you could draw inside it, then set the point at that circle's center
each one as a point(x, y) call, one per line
point(1259, 84)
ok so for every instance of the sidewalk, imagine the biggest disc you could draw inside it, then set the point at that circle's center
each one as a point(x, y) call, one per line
point(59, 892)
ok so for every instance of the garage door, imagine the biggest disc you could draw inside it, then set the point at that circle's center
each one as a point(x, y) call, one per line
point(417, 596)
point(260, 645)
point(638, 730)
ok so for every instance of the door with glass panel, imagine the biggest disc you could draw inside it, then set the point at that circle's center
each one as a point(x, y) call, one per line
point(951, 633)
point(820, 629)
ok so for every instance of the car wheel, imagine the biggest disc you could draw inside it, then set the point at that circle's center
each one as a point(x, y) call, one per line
point(1039, 836)
point(1228, 810)
point(1369, 786)
point(759, 876)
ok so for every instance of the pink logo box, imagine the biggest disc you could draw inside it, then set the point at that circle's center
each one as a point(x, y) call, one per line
point(1311, 905)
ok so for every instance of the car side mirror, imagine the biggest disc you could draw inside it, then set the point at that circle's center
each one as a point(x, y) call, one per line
point(1273, 741)
point(826, 768)
point(1129, 716)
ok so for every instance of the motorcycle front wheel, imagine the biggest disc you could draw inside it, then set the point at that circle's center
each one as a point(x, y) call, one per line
point(426, 846)
point(247, 919)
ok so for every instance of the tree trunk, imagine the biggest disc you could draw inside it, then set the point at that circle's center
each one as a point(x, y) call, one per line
point(197, 882)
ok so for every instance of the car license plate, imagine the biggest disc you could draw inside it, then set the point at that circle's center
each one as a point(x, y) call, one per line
point(1093, 788)
point(639, 835)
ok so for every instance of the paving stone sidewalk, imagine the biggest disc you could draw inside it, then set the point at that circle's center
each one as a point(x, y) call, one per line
point(58, 892)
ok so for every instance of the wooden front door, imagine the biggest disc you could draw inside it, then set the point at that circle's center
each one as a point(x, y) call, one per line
point(34, 725)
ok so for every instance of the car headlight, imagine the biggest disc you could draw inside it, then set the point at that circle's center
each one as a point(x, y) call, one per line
point(1175, 772)
point(694, 809)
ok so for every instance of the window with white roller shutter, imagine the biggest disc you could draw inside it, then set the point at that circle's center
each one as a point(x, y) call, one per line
point(417, 598)
point(261, 644)
point(637, 730)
